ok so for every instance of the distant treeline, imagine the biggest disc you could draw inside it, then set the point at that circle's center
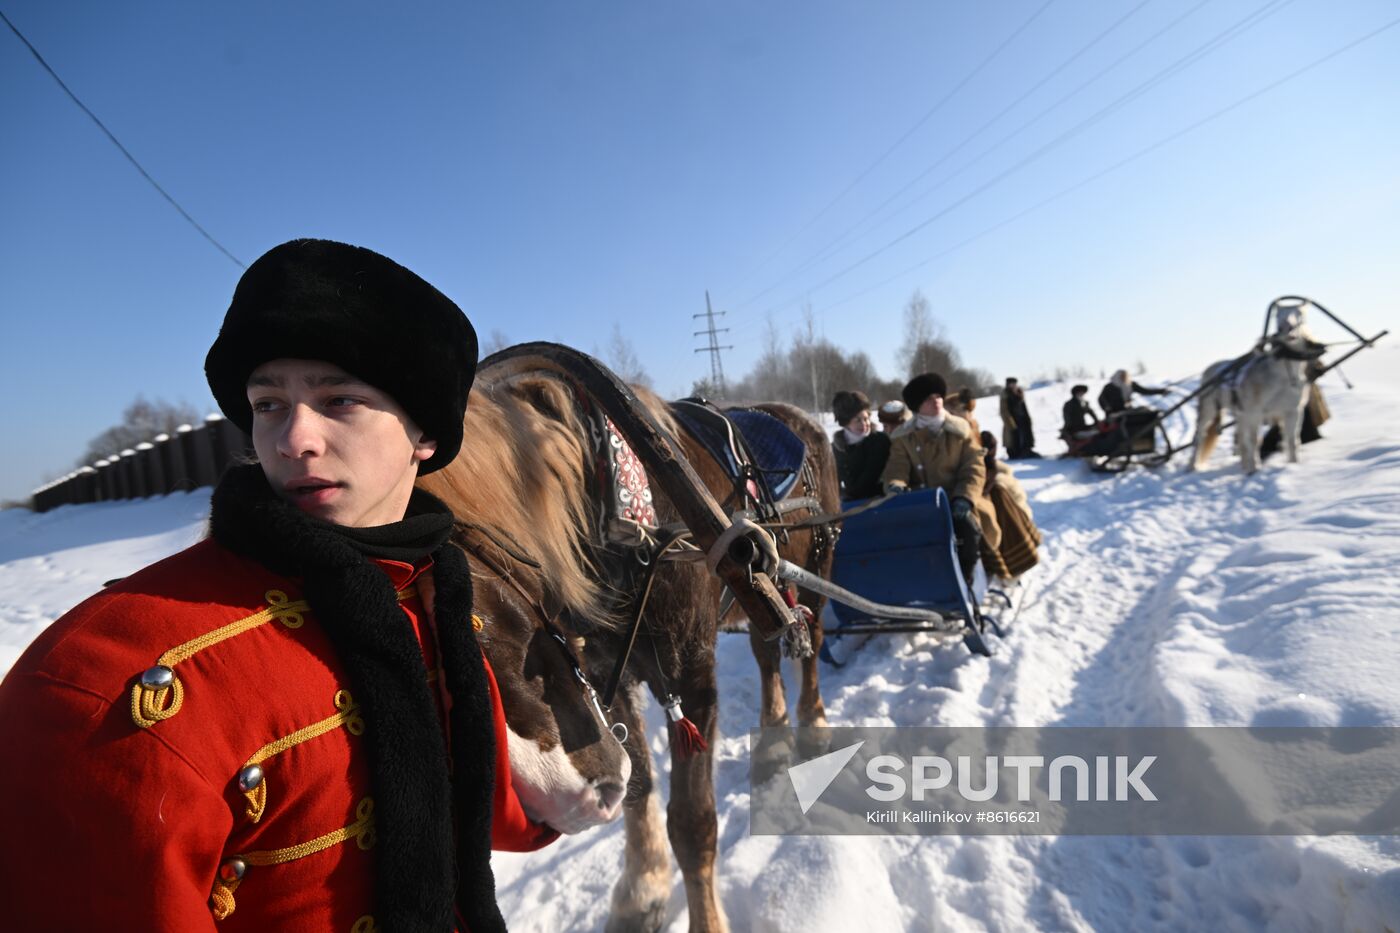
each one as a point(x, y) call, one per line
point(809, 370)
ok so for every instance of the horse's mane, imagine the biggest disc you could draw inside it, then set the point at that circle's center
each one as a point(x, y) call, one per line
point(526, 469)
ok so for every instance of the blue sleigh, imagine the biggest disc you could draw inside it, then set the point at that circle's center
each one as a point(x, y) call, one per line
point(901, 558)
point(895, 567)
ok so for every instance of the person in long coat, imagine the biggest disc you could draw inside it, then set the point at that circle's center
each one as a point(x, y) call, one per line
point(861, 452)
point(1017, 432)
point(1018, 550)
point(289, 725)
point(936, 449)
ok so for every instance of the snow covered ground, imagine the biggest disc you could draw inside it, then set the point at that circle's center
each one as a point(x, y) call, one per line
point(1162, 598)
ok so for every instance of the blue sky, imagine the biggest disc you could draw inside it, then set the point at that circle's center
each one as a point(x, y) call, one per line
point(561, 168)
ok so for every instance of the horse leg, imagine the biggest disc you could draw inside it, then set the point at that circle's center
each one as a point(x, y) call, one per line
point(810, 709)
point(1247, 438)
point(642, 891)
point(813, 738)
point(691, 821)
point(1207, 429)
point(773, 701)
point(1292, 425)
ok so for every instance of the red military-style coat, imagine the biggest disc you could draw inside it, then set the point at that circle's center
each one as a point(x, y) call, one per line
point(126, 803)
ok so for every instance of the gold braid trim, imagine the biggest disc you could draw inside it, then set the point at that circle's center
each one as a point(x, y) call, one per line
point(221, 900)
point(348, 716)
point(362, 831)
point(365, 924)
point(150, 705)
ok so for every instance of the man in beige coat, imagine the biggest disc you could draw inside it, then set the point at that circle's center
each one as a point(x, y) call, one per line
point(939, 449)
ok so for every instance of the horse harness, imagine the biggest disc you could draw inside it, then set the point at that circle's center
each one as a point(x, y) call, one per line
point(475, 546)
point(1233, 375)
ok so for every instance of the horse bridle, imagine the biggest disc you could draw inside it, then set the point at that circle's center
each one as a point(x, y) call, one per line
point(618, 730)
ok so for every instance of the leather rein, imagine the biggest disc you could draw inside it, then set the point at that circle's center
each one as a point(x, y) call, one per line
point(471, 543)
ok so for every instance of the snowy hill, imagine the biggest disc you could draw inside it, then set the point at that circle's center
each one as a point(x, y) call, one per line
point(1162, 598)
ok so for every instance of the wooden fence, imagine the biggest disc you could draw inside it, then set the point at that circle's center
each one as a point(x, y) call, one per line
point(188, 459)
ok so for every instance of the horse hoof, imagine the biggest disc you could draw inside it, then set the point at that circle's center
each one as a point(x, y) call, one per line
point(647, 919)
point(773, 754)
point(813, 741)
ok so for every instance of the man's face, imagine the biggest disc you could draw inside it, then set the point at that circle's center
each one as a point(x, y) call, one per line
point(335, 447)
point(932, 406)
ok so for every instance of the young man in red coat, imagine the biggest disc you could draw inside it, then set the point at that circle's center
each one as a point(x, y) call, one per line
point(290, 725)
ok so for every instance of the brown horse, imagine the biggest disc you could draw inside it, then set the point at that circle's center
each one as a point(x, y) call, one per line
point(683, 619)
point(526, 471)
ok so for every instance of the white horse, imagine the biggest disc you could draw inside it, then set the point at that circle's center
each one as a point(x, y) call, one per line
point(1267, 386)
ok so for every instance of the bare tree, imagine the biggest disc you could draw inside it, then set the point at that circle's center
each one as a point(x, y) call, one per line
point(921, 331)
point(623, 359)
point(141, 421)
point(496, 341)
point(811, 369)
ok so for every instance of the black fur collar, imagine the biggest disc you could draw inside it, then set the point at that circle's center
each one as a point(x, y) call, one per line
point(422, 868)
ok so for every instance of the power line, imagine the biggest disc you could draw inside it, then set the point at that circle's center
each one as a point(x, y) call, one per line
point(833, 245)
point(1127, 160)
point(129, 157)
point(897, 143)
point(1230, 33)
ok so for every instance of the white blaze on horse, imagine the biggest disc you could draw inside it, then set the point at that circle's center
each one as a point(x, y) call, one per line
point(1269, 385)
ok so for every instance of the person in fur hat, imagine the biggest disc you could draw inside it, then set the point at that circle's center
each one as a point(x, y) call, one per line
point(963, 404)
point(1079, 415)
point(861, 451)
point(892, 414)
point(289, 725)
point(938, 449)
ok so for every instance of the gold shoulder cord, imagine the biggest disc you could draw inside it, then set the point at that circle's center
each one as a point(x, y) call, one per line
point(158, 693)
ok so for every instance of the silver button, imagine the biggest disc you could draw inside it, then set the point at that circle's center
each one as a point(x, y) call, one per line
point(249, 778)
point(232, 870)
point(157, 677)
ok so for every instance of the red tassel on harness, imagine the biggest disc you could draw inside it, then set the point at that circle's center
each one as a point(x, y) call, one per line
point(686, 741)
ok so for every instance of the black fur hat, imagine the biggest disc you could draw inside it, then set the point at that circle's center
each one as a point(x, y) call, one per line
point(921, 387)
point(847, 405)
point(322, 300)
